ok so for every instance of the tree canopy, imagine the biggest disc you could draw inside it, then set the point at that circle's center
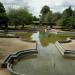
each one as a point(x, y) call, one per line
point(3, 16)
point(45, 9)
point(48, 18)
point(67, 18)
point(46, 15)
point(20, 16)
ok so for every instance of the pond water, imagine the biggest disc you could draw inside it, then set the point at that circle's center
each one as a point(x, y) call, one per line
point(48, 61)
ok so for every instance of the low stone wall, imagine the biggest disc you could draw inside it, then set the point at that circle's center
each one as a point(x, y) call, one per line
point(17, 55)
point(9, 60)
point(9, 66)
point(8, 63)
point(9, 37)
point(65, 41)
point(60, 48)
point(68, 40)
point(64, 52)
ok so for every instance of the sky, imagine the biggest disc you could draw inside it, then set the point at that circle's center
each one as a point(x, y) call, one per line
point(36, 5)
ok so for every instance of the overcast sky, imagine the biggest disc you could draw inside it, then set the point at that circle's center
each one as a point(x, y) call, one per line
point(36, 5)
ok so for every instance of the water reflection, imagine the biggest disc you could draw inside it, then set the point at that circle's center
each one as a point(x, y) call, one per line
point(47, 38)
point(48, 61)
point(44, 38)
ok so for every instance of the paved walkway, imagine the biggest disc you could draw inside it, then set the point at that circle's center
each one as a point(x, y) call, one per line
point(10, 46)
point(69, 46)
point(4, 72)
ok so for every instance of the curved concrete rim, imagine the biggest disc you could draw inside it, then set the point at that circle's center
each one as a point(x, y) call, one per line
point(18, 55)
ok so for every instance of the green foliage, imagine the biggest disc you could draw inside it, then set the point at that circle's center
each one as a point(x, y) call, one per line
point(35, 18)
point(3, 17)
point(20, 16)
point(67, 12)
point(73, 25)
point(46, 15)
point(67, 23)
point(42, 17)
point(48, 18)
point(56, 18)
point(2, 9)
point(45, 9)
point(67, 18)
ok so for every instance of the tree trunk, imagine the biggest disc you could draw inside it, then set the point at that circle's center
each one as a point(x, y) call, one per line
point(23, 26)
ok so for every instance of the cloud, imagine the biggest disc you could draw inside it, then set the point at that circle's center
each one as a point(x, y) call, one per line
point(14, 3)
point(36, 5)
point(64, 4)
point(67, 3)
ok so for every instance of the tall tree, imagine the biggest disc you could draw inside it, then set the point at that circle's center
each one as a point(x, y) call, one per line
point(3, 16)
point(73, 18)
point(46, 15)
point(67, 19)
point(56, 18)
point(45, 9)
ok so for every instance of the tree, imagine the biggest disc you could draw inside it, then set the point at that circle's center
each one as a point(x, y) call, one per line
point(46, 15)
point(56, 18)
point(20, 16)
point(42, 17)
point(45, 9)
point(35, 21)
point(3, 17)
point(67, 18)
point(73, 19)
point(48, 18)
point(67, 23)
point(35, 18)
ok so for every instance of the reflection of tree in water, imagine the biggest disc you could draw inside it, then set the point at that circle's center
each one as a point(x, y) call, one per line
point(46, 38)
point(43, 36)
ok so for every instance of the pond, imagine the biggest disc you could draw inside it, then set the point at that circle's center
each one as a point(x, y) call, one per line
point(48, 61)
